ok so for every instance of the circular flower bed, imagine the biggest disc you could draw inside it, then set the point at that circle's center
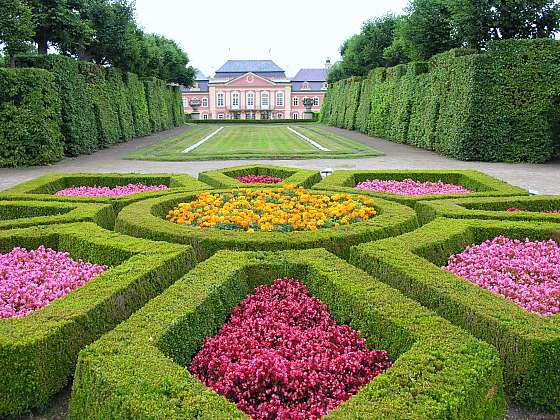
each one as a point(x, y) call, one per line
point(258, 179)
point(282, 356)
point(283, 210)
point(514, 210)
point(411, 187)
point(524, 272)
point(118, 191)
point(30, 280)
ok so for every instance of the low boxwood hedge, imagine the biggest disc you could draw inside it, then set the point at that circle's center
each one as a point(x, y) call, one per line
point(38, 352)
point(146, 219)
point(225, 178)
point(479, 183)
point(19, 214)
point(492, 208)
point(528, 344)
point(138, 370)
point(44, 187)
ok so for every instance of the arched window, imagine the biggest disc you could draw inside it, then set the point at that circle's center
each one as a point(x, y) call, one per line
point(250, 99)
point(235, 100)
point(279, 98)
point(325, 86)
point(265, 100)
point(295, 115)
point(305, 86)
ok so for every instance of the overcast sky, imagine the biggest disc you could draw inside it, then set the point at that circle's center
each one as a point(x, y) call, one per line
point(298, 33)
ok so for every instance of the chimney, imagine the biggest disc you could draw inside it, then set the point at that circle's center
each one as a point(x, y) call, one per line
point(328, 64)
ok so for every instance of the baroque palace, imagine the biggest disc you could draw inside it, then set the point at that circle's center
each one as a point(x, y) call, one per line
point(256, 89)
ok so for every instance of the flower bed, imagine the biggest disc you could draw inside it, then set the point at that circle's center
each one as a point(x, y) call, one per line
point(282, 356)
point(117, 191)
point(524, 272)
point(258, 179)
point(30, 280)
point(283, 210)
point(411, 188)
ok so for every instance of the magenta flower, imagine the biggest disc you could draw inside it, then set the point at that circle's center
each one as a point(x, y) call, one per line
point(258, 179)
point(118, 191)
point(30, 280)
point(526, 273)
point(411, 187)
point(281, 356)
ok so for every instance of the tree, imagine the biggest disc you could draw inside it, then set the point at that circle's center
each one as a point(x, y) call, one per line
point(525, 18)
point(16, 28)
point(335, 73)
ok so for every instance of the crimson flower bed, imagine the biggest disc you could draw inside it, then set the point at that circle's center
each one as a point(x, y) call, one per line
point(514, 210)
point(411, 187)
point(524, 272)
point(282, 356)
point(30, 280)
point(258, 179)
point(118, 191)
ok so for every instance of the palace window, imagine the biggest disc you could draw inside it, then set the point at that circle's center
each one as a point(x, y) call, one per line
point(204, 116)
point(295, 115)
point(220, 116)
point(250, 99)
point(220, 100)
point(315, 101)
point(264, 100)
point(185, 102)
point(305, 86)
point(325, 86)
point(235, 100)
point(279, 98)
point(295, 101)
point(280, 115)
point(204, 102)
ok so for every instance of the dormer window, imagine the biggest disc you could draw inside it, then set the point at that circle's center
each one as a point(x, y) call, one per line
point(305, 86)
point(325, 86)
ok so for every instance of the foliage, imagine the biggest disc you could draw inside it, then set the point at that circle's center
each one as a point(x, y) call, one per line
point(136, 97)
point(119, 101)
point(16, 27)
point(29, 118)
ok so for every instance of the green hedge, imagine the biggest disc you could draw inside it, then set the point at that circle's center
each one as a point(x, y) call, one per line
point(364, 106)
point(225, 178)
point(492, 208)
point(354, 90)
point(78, 116)
point(44, 187)
point(146, 219)
point(29, 118)
point(119, 98)
point(137, 98)
point(138, 369)
point(38, 352)
point(499, 105)
point(480, 184)
point(528, 344)
point(282, 121)
point(154, 104)
point(19, 214)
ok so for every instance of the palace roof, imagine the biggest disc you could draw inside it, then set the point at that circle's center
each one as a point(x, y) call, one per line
point(310, 75)
point(246, 66)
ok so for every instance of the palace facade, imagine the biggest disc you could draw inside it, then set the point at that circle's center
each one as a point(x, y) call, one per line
point(256, 89)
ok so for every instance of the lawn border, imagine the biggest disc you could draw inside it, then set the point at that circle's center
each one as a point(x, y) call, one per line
point(137, 370)
point(528, 344)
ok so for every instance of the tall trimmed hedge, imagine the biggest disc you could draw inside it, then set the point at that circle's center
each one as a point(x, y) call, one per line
point(500, 105)
point(30, 118)
point(136, 96)
point(119, 99)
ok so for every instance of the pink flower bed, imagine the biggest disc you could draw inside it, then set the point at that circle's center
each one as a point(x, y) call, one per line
point(30, 280)
point(281, 356)
point(411, 187)
point(525, 272)
point(258, 179)
point(118, 191)
point(514, 210)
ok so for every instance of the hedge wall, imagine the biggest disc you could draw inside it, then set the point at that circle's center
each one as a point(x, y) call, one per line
point(528, 344)
point(137, 98)
point(138, 370)
point(38, 352)
point(119, 97)
point(500, 105)
point(29, 118)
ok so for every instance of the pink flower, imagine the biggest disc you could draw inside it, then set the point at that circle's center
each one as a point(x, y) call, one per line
point(411, 187)
point(258, 179)
point(30, 280)
point(118, 191)
point(525, 272)
point(281, 356)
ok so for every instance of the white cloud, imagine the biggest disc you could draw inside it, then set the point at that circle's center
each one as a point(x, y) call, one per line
point(297, 33)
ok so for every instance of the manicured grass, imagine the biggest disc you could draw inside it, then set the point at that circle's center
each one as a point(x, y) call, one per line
point(254, 142)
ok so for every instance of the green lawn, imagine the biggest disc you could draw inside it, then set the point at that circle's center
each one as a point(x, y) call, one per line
point(254, 142)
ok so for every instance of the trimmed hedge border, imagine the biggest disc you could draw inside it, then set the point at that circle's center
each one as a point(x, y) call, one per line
point(492, 208)
point(146, 219)
point(138, 369)
point(44, 187)
point(528, 344)
point(482, 184)
point(38, 352)
point(225, 178)
point(282, 121)
point(20, 214)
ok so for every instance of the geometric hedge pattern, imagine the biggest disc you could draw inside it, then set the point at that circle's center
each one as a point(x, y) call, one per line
point(457, 350)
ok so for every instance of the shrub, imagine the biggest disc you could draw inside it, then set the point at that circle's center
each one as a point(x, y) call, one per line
point(38, 352)
point(29, 118)
point(154, 104)
point(78, 117)
point(146, 219)
point(528, 344)
point(119, 99)
point(480, 184)
point(19, 214)
point(136, 96)
point(354, 90)
point(224, 122)
point(225, 178)
point(137, 370)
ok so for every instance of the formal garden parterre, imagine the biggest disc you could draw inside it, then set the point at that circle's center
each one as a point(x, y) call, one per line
point(141, 368)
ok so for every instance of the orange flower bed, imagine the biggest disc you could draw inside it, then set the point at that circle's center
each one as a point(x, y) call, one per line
point(281, 210)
